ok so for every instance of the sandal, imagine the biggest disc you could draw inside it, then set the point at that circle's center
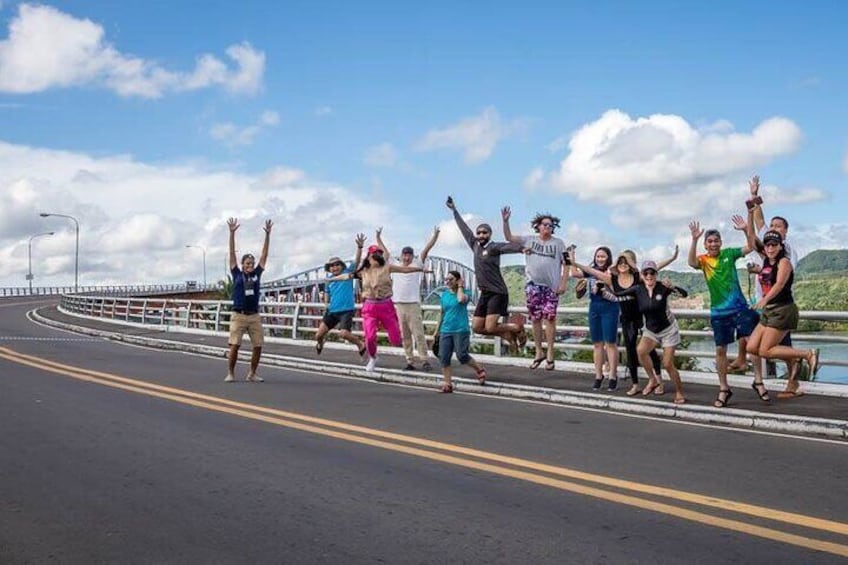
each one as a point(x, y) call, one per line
point(536, 362)
point(680, 400)
point(633, 390)
point(764, 396)
point(446, 389)
point(814, 362)
point(550, 365)
point(362, 350)
point(789, 393)
point(319, 347)
point(659, 390)
point(649, 388)
point(481, 376)
point(719, 403)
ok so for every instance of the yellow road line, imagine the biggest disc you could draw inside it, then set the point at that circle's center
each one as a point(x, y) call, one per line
point(250, 412)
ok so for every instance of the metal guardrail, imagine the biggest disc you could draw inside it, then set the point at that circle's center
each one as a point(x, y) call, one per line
point(300, 320)
point(105, 289)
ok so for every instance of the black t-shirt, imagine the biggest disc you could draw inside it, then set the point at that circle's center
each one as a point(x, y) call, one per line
point(629, 309)
point(654, 307)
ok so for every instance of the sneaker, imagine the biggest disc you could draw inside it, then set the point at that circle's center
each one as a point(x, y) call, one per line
point(229, 378)
point(426, 366)
point(371, 364)
point(613, 385)
point(254, 378)
point(409, 367)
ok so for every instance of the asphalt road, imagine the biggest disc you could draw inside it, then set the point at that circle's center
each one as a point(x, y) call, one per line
point(101, 466)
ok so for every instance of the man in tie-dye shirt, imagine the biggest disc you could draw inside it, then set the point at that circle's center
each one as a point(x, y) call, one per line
point(730, 316)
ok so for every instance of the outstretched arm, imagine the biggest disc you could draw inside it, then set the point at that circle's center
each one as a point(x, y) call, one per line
point(263, 258)
point(360, 242)
point(663, 264)
point(506, 213)
point(745, 226)
point(467, 234)
point(580, 271)
point(382, 245)
point(233, 224)
point(759, 218)
point(403, 269)
point(697, 232)
point(429, 245)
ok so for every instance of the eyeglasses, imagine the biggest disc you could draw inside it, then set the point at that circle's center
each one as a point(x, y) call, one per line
point(546, 224)
point(649, 273)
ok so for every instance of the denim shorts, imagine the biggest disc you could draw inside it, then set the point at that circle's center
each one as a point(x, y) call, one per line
point(603, 321)
point(727, 329)
point(450, 343)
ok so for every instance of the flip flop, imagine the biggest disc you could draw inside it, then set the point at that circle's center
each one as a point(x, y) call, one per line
point(446, 389)
point(649, 388)
point(680, 400)
point(550, 365)
point(536, 362)
point(481, 376)
point(319, 347)
point(814, 362)
point(790, 394)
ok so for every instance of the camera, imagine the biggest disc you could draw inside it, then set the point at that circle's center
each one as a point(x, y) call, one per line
point(753, 202)
point(566, 259)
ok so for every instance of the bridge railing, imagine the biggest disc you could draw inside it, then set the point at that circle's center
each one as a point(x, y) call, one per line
point(106, 289)
point(300, 320)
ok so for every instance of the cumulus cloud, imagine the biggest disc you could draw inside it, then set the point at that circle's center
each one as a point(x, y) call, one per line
point(476, 136)
point(136, 218)
point(382, 155)
point(232, 135)
point(534, 178)
point(47, 48)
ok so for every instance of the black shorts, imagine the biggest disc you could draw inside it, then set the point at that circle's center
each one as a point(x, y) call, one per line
point(342, 319)
point(492, 303)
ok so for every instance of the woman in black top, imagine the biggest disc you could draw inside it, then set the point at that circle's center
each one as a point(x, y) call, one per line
point(660, 328)
point(779, 313)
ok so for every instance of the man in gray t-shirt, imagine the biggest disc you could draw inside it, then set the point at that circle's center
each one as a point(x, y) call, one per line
point(547, 277)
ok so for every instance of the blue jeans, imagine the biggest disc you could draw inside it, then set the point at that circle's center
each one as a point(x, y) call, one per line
point(450, 343)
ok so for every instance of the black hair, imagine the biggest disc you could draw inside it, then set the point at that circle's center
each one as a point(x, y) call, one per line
point(609, 258)
point(378, 257)
point(537, 219)
point(772, 276)
point(246, 255)
point(455, 274)
point(782, 219)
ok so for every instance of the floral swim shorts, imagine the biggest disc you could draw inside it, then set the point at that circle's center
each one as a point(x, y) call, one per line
point(542, 302)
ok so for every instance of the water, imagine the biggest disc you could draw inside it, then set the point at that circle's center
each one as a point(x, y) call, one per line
point(826, 374)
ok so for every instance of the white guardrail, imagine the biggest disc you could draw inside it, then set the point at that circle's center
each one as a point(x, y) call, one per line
point(300, 320)
point(105, 289)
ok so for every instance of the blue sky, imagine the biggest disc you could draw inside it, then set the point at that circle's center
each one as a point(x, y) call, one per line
point(626, 119)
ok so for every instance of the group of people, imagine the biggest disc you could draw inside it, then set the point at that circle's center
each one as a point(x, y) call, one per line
point(620, 293)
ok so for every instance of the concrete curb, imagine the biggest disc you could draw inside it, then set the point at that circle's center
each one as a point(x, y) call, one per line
point(831, 428)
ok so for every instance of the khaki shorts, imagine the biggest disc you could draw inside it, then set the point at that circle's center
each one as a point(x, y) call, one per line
point(250, 323)
point(780, 316)
point(669, 337)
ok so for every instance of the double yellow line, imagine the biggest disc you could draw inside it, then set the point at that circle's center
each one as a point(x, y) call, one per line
point(597, 486)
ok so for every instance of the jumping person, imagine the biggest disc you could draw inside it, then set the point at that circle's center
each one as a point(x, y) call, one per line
point(494, 294)
point(339, 300)
point(661, 329)
point(779, 315)
point(245, 316)
point(454, 333)
point(547, 278)
point(407, 299)
point(730, 316)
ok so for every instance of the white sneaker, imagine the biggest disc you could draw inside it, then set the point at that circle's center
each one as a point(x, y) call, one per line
point(229, 378)
point(254, 378)
point(371, 364)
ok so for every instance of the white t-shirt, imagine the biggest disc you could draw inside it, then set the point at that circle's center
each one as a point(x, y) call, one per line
point(544, 263)
point(406, 287)
point(757, 259)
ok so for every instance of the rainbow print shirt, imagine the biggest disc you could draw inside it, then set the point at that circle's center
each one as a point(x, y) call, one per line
point(726, 298)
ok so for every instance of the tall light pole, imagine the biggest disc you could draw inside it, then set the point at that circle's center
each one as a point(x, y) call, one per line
point(203, 249)
point(76, 253)
point(29, 256)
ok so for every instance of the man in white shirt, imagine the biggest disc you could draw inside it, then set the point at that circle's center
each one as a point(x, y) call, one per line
point(406, 294)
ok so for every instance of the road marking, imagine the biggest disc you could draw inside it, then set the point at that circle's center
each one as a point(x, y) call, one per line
point(25, 303)
point(31, 338)
point(386, 440)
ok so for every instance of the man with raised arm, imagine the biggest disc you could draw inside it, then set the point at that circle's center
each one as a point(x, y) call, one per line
point(245, 315)
point(730, 316)
point(547, 278)
point(494, 294)
point(407, 298)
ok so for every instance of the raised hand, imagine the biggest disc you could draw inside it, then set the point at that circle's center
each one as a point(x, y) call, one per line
point(506, 213)
point(360, 239)
point(268, 225)
point(695, 229)
point(676, 252)
point(233, 224)
point(449, 203)
point(379, 231)
point(754, 185)
point(739, 222)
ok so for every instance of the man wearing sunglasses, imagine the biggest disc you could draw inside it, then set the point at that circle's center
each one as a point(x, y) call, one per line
point(494, 294)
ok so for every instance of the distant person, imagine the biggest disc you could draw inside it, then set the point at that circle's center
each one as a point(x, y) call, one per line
point(730, 316)
point(779, 315)
point(661, 329)
point(546, 280)
point(603, 316)
point(494, 294)
point(245, 316)
point(339, 299)
point(407, 299)
point(454, 332)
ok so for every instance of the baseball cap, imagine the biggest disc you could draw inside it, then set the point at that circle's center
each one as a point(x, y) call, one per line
point(406, 249)
point(649, 266)
point(772, 236)
point(375, 249)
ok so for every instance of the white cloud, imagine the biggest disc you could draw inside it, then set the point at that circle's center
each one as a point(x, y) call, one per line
point(845, 163)
point(136, 218)
point(382, 155)
point(476, 136)
point(47, 48)
point(534, 178)
point(322, 111)
point(233, 135)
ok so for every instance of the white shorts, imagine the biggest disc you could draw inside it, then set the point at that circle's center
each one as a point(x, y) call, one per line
point(669, 337)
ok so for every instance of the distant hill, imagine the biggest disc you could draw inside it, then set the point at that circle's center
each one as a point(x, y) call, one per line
point(826, 262)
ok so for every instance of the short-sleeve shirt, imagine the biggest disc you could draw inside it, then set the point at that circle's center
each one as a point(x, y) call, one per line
point(544, 263)
point(407, 286)
point(726, 298)
point(454, 313)
point(341, 293)
point(246, 289)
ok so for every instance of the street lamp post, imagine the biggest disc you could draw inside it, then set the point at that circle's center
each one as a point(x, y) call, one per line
point(76, 253)
point(203, 249)
point(29, 276)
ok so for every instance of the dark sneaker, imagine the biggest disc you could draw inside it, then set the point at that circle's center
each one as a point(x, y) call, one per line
point(426, 366)
point(409, 367)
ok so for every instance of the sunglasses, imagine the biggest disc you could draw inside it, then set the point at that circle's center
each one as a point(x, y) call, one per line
point(329, 266)
point(649, 273)
point(772, 244)
point(546, 224)
point(482, 232)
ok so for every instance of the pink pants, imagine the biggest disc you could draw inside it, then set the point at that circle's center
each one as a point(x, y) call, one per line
point(374, 313)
